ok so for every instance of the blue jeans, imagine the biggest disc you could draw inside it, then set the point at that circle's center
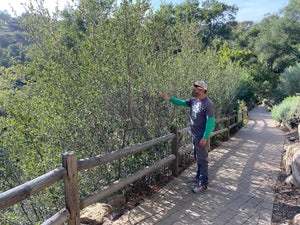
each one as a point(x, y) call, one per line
point(201, 155)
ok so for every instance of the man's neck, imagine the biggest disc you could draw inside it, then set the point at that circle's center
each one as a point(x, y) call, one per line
point(201, 97)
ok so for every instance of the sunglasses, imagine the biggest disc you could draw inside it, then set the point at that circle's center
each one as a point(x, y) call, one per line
point(197, 86)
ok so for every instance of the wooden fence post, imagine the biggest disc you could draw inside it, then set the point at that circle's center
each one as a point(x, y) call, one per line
point(175, 148)
point(237, 121)
point(299, 131)
point(242, 117)
point(228, 126)
point(71, 187)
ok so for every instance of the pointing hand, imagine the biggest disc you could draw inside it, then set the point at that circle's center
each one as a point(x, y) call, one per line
point(164, 96)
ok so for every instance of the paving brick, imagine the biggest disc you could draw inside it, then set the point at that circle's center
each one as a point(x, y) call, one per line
point(252, 203)
point(239, 219)
point(252, 220)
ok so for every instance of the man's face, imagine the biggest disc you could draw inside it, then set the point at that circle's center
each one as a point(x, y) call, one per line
point(195, 91)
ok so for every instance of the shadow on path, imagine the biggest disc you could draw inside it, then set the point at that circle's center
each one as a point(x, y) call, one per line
point(242, 172)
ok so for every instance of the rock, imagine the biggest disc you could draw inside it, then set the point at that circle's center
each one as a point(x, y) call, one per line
point(294, 178)
point(290, 149)
point(131, 204)
point(118, 200)
point(284, 161)
point(296, 220)
point(290, 180)
point(292, 139)
point(95, 213)
point(296, 168)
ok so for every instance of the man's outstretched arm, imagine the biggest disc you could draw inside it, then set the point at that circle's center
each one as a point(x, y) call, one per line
point(178, 102)
point(175, 101)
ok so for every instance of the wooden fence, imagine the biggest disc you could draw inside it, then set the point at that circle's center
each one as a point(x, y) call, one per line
point(70, 167)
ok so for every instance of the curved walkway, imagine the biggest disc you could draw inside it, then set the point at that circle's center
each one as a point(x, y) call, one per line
point(242, 172)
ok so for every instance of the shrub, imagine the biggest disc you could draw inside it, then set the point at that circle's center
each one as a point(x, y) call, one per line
point(290, 83)
point(294, 113)
point(288, 111)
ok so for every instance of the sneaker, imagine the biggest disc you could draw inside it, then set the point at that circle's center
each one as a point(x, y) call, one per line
point(199, 188)
point(192, 180)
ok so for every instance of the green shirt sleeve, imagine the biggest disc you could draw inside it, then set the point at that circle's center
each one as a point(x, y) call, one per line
point(178, 102)
point(210, 123)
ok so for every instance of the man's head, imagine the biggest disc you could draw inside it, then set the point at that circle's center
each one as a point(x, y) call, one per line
point(200, 84)
point(199, 88)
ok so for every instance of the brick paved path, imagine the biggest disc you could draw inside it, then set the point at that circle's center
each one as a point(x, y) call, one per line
point(242, 172)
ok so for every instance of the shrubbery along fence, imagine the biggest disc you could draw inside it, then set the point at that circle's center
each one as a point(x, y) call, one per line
point(70, 167)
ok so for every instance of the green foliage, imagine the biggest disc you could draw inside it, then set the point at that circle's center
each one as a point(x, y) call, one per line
point(274, 44)
point(219, 19)
point(289, 83)
point(237, 56)
point(294, 113)
point(4, 59)
point(4, 17)
point(91, 86)
point(278, 42)
point(264, 80)
point(246, 91)
point(214, 19)
point(12, 46)
point(288, 111)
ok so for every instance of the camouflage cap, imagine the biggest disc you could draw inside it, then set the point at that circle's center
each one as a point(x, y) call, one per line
point(200, 84)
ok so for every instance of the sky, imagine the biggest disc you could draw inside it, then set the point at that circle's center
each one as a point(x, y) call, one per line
point(253, 10)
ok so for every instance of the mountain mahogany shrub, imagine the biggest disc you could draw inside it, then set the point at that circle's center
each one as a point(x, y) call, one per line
point(294, 113)
point(288, 111)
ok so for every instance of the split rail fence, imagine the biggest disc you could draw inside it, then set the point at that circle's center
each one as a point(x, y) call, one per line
point(70, 167)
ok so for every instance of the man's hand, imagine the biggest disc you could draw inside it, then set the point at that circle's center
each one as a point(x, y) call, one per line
point(164, 96)
point(203, 142)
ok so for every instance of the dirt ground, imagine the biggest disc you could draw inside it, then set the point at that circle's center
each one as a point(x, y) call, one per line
point(287, 198)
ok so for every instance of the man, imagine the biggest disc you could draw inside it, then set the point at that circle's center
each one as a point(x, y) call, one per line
point(202, 122)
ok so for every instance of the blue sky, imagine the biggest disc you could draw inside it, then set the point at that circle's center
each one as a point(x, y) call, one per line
point(248, 9)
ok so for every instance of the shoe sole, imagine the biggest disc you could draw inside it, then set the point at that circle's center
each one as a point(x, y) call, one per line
point(199, 191)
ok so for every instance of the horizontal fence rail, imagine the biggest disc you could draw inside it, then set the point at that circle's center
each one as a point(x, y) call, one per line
point(119, 184)
point(30, 188)
point(109, 157)
point(71, 166)
point(59, 218)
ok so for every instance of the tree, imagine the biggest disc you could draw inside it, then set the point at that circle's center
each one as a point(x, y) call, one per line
point(278, 40)
point(219, 20)
point(4, 59)
point(289, 83)
point(292, 11)
point(213, 19)
point(4, 18)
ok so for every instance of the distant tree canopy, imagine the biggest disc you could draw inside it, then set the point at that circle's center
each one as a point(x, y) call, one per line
point(13, 41)
point(275, 40)
point(214, 19)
